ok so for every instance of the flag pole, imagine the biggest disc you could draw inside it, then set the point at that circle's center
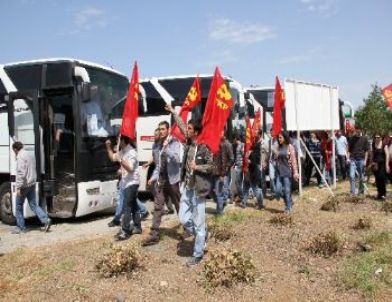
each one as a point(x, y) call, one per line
point(298, 140)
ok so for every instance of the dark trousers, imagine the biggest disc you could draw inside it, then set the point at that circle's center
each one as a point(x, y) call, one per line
point(381, 179)
point(164, 190)
point(131, 209)
point(341, 166)
point(309, 170)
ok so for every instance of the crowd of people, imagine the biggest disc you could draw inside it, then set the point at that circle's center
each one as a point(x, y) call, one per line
point(185, 174)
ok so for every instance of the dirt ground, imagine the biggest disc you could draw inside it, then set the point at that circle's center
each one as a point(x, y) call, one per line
point(64, 269)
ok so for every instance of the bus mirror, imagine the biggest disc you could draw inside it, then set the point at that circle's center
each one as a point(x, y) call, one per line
point(247, 95)
point(250, 109)
point(85, 91)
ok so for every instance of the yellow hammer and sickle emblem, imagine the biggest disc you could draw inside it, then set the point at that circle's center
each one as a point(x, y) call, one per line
point(223, 92)
point(388, 94)
point(191, 97)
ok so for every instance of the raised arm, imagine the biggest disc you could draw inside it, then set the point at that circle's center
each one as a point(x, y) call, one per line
point(180, 123)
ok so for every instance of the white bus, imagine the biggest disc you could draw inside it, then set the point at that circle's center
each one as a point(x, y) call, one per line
point(62, 110)
point(157, 92)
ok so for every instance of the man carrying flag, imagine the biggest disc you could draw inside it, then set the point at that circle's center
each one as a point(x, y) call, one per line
point(192, 99)
point(252, 167)
point(197, 166)
point(127, 158)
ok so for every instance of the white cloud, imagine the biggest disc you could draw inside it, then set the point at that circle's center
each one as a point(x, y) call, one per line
point(311, 54)
point(225, 30)
point(326, 8)
point(89, 18)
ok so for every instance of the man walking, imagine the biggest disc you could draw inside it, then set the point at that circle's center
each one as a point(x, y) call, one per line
point(197, 166)
point(166, 177)
point(357, 155)
point(223, 161)
point(341, 154)
point(26, 177)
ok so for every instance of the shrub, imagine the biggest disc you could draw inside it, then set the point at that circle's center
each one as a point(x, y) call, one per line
point(123, 259)
point(325, 244)
point(282, 219)
point(227, 267)
point(331, 204)
point(363, 223)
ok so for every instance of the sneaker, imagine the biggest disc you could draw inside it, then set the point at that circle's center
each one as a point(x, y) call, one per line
point(260, 207)
point(145, 215)
point(150, 241)
point(193, 261)
point(123, 236)
point(18, 231)
point(113, 223)
point(48, 225)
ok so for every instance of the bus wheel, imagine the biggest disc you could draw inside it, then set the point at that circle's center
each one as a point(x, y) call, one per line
point(6, 204)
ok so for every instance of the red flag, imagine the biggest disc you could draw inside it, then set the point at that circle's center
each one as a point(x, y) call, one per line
point(278, 105)
point(387, 93)
point(216, 112)
point(192, 99)
point(131, 107)
point(248, 144)
point(256, 124)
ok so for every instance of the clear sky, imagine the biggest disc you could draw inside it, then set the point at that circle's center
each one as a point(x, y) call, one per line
point(340, 42)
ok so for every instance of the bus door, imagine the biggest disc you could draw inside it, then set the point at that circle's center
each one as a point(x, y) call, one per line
point(57, 118)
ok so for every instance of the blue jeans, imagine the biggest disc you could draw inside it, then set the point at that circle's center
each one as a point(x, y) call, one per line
point(226, 186)
point(357, 165)
point(256, 191)
point(283, 188)
point(28, 193)
point(130, 209)
point(271, 169)
point(238, 182)
point(120, 205)
point(219, 187)
point(193, 217)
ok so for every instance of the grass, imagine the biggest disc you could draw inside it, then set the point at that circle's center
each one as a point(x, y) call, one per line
point(44, 273)
point(372, 271)
point(223, 227)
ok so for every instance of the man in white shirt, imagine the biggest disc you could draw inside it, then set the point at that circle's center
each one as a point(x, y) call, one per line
point(341, 154)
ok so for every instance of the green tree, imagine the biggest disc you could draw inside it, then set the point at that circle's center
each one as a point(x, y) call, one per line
point(374, 116)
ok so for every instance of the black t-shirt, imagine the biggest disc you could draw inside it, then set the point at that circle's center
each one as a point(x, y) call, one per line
point(357, 147)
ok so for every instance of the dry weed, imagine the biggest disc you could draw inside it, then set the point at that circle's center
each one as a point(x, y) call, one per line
point(122, 259)
point(350, 198)
point(227, 267)
point(387, 207)
point(332, 204)
point(363, 223)
point(282, 219)
point(325, 244)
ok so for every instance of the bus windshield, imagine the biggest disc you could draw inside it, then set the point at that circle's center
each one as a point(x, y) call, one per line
point(98, 117)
